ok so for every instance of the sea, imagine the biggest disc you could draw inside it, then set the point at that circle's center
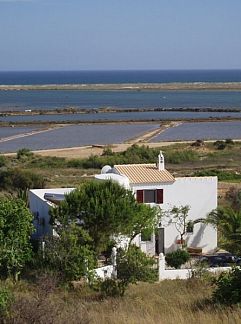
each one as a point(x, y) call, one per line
point(161, 106)
point(116, 76)
point(22, 100)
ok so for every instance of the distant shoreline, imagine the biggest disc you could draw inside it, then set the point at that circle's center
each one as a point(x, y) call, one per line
point(227, 86)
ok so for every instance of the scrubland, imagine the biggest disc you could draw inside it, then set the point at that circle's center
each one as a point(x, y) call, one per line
point(176, 301)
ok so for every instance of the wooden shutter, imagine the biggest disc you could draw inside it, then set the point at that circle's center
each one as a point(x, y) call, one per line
point(159, 196)
point(139, 196)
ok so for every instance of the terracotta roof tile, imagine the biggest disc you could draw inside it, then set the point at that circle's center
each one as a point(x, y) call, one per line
point(144, 173)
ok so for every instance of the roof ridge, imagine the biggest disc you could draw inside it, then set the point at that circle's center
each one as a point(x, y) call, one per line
point(134, 164)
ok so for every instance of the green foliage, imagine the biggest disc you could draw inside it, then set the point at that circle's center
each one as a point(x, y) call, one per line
point(178, 216)
point(14, 179)
point(6, 299)
point(23, 195)
point(229, 141)
point(133, 265)
point(198, 143)
point(228, 223)
point(134, 154)
point(47, 162)
point(107, 151)
point(75, 163)
point(222, 175)
point(24, 154)
point(15, 230)
point(177, 157)
point(2, 161)
point(221, 145)
point(177, 258)
point(70, 254)
point(104, 209)
point(228, 287)
point(112, 288)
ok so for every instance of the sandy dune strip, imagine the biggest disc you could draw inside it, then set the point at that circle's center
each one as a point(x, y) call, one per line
point(131, 86)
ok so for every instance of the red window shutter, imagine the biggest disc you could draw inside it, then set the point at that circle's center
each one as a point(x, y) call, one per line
point(159, 196)
point(139, 196)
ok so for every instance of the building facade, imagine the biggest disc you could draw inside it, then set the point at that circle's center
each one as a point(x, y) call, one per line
point(153, 184)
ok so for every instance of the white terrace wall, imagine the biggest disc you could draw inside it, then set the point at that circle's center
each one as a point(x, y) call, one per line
point(200, 193)
point(167, 274)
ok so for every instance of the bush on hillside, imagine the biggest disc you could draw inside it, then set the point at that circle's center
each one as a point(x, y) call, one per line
point(47, 162)
point(198, 143)
point(24, 153)
point(177, 157)
point(133, 265)
point(229, 141)
point(15, 230)
point(70, 254)
point(228, 287)
point(2, 161)
point(15, 179)
point(177, 258)
point(6, 299)
point(220, 145)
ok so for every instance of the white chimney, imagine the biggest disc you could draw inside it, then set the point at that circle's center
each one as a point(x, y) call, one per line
point(160, 162)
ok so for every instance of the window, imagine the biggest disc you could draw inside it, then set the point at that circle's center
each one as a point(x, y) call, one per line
point(150, 196)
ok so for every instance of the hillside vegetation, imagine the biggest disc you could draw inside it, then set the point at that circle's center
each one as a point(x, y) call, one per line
point(166, 302)
point(199, 159)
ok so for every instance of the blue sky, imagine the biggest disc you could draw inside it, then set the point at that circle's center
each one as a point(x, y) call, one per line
point(120, 34)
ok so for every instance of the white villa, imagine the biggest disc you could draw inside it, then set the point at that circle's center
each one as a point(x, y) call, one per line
point(151, 184)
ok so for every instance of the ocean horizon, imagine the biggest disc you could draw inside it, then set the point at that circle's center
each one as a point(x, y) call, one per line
point(117, 76)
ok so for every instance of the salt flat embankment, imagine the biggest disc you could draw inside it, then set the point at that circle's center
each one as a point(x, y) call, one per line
point(131, 86)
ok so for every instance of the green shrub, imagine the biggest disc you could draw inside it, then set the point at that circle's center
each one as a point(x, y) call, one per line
point(229, 141)
point(220, 145)
point(75, 163)
point(71, 254)
point(134, 265)
point(198, 143)
point(177, 258)
point(112, 288)
point(6, 299)
point(2, 161)
point(47, 162)
point(228, 287)
point(24, 153)
point(134, 154)
point(107, 151)
point(177, 157)
point(15, 230)
point(20, 179)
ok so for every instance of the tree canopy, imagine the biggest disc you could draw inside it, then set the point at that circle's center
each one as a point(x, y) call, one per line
point(104, 209)
point(15, 230)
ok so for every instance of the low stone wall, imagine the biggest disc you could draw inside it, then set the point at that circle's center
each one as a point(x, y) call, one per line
point(181, 273)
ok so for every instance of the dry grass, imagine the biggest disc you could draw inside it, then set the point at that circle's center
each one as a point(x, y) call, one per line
point(166, 302)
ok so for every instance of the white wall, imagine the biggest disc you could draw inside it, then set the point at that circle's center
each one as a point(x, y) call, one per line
point(173, 274)
point(104, 272)
point(37, 204)
point(200, 193)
